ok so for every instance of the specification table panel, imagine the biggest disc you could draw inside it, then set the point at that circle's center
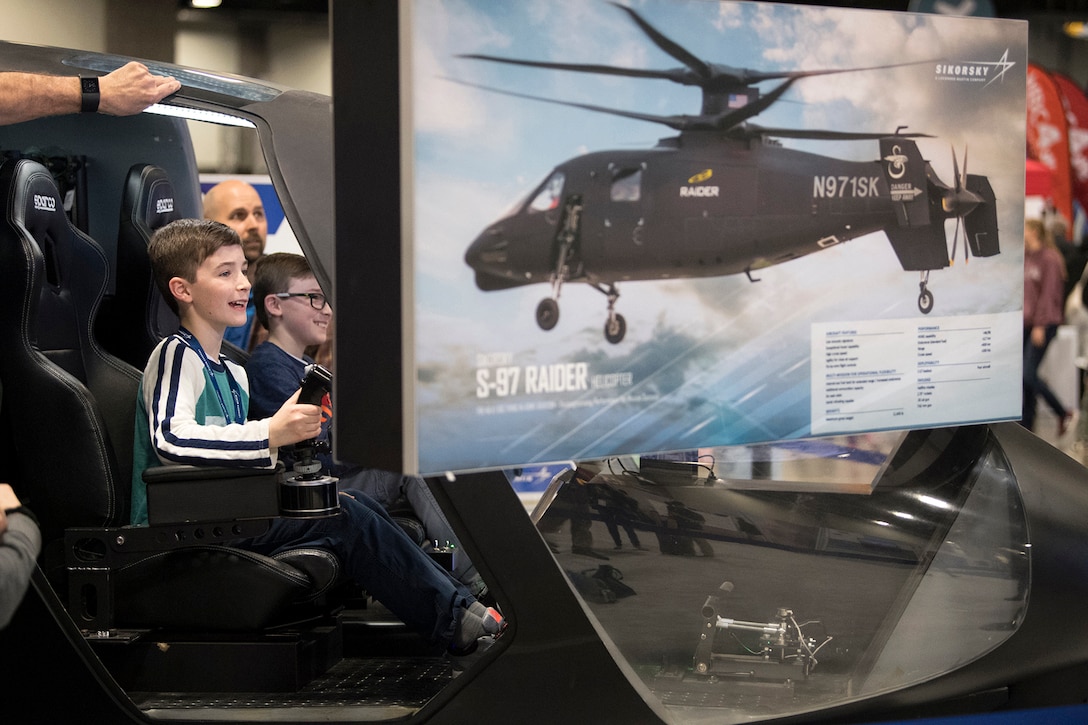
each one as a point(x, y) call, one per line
point(918, 372)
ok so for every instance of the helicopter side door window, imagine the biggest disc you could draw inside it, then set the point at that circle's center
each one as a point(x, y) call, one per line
point(627, 184)
point(549, 195)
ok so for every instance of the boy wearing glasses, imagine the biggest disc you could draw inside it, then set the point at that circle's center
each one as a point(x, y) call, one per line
point(296, 313)
point(193, 408)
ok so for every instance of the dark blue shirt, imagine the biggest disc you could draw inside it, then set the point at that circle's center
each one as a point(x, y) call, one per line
point(274, 376)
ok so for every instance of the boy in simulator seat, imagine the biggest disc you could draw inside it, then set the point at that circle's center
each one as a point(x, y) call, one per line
point(192, 409)
point(291, 306)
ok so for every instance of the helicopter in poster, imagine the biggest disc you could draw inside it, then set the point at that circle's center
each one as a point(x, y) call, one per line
point(723, 197)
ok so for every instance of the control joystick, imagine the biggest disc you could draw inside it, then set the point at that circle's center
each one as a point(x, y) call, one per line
point(308, 492)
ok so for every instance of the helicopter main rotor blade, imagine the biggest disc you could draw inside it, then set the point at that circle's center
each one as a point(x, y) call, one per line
point(675, 75)
point(750, 76)
point(678, 123)
point(716, 81)
point(717, 77)
point(687, 123)
point(824, 135)
point(672, 48)
point(720, 76)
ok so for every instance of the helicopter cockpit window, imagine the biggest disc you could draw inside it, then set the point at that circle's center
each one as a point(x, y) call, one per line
point(548, 196)
point(627, 184)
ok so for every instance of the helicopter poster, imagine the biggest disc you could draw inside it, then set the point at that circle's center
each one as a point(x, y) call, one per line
point(674, 224)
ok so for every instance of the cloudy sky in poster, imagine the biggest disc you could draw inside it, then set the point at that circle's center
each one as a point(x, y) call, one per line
point(713, 361)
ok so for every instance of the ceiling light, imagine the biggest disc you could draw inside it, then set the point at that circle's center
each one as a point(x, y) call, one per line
point(198, 114)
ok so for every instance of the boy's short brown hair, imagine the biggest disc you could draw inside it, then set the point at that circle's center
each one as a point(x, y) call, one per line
point(272, 274)
point(177, 249)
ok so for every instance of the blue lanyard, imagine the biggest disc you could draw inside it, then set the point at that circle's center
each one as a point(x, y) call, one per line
point(235, 392)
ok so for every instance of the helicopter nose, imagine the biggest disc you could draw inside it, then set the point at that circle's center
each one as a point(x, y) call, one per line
point(489, 251)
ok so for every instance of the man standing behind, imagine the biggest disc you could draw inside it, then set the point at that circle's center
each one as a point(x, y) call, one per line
point(238, 205)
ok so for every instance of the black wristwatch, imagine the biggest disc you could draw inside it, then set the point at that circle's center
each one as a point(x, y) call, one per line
point(88, 86)
point(22, 510)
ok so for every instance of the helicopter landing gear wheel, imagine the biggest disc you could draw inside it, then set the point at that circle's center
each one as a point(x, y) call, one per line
point(615, 327)
point(925, 297)
point(547, 313)
point(925, 302)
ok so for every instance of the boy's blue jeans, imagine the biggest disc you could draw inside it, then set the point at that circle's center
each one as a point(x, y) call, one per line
point(386, 488)
point(380, 558)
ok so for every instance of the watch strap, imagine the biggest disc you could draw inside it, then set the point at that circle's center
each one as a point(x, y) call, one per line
point(21, 510)
point(90, 94)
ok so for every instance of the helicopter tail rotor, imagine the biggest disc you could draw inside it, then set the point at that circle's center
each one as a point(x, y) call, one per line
point(971, 200)
point(959, 201)
point(922, 202)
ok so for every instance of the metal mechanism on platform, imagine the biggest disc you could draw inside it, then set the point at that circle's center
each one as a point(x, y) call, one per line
point(781, 652)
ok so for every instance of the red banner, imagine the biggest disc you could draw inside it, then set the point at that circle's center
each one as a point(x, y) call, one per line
point(1037, 181)
point(1048, 137)
point(1075, 104)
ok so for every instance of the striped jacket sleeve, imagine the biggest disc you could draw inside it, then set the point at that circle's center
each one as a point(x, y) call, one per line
point(181, 428)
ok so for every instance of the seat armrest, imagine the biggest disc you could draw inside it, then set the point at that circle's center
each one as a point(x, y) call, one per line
point(118, 545)
point(185, 494)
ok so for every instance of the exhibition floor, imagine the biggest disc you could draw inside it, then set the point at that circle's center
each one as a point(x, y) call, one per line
point(1046, 427)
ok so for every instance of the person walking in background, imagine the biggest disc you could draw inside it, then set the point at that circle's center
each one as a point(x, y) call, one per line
point(1044, 304)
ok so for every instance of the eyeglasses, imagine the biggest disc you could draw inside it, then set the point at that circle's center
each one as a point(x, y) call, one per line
point(317, 300)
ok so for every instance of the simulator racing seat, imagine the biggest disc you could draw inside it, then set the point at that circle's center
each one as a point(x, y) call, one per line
point(68, 418)
point(137, 317)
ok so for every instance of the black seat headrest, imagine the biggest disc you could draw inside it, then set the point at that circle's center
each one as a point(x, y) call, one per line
point(148, 198)
point(136, 317)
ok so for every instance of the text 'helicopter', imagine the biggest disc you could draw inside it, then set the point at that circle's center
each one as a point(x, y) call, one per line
point(722, 197)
